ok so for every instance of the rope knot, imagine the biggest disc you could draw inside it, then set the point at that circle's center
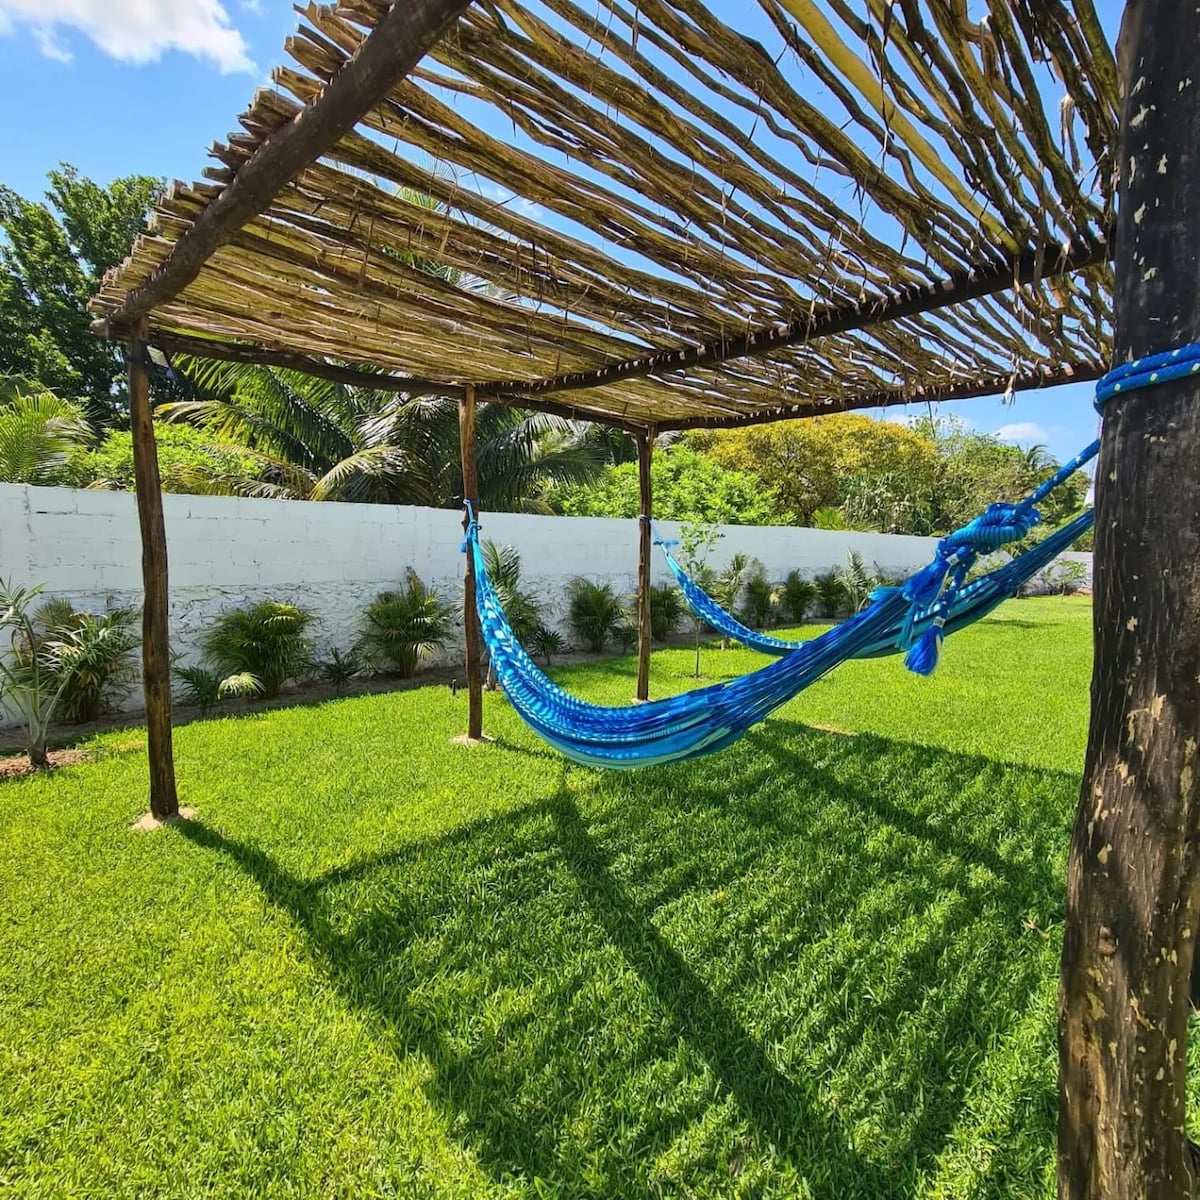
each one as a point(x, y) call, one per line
point(998, 525)
point(471, 533)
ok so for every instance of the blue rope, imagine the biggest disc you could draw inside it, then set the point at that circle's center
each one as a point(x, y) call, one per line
point(472, 530)
point(665, 542)
point(1148, 371)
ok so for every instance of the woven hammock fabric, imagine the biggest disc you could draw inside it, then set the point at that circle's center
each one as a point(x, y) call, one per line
point(972, 601)
point(711, 718)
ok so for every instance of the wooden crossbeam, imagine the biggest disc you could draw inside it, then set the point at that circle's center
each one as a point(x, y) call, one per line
point(825, 321)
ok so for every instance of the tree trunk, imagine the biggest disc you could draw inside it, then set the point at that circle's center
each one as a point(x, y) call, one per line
point(37, 753)
point(1133, 887)
point(156, 639)
point(645, 449)
point(466, 433)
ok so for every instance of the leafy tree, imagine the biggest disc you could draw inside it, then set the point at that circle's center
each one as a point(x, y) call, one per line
point(805, 465)
point(189, 460)
point(976, 469)
point(688, 486)
point(312, 439)
point(52, 258)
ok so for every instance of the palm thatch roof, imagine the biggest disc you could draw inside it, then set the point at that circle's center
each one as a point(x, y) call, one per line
point(674, 213)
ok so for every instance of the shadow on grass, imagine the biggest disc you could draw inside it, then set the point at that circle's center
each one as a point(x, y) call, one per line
point(777, 971)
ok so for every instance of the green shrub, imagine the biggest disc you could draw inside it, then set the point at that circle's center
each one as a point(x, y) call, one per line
point(759, 604)
point(338, 669)
point(504, 570)
point(666, 610)
point(796, 597)
point(92, 653)
point(205, 689)
point(857, 582)
point(831, 593)
point(626, 633)
point(546, 642)
point(189, 460)
point(402, 628)
point(594, 612)
point(30, 685)
point(201, 687)
point(265, 641)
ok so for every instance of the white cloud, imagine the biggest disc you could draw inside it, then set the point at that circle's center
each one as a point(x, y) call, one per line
point(134, 31)
point(1023, 431)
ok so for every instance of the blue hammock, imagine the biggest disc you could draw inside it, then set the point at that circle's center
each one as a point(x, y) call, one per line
point(970, 602)
point(916, 614)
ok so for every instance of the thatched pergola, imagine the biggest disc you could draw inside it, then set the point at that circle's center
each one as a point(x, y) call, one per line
point(666, 216)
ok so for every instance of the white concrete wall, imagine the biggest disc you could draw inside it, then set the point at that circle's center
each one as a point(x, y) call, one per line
point(334, 558)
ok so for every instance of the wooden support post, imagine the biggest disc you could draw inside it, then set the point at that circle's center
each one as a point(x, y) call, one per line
point(1133, 879)
point(466, 434)
point(645, 451)
point(156, 639)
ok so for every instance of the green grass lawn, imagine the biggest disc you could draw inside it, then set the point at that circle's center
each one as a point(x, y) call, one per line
point(379, 965)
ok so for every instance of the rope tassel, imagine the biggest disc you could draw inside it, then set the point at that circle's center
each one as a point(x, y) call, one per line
point(922, 659)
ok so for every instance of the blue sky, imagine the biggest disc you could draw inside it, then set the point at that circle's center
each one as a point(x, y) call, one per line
point(125, 86)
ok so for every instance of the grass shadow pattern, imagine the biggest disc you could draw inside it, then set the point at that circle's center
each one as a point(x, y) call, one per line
point(815, 966)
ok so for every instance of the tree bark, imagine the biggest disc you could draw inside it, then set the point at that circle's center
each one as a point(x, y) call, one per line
point(156, 640)
point(645, 451)
point(1133, 887)
point(466, 433)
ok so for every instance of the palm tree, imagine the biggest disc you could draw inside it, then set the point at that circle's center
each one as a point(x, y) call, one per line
point(1036, 464)
point(38, 431)
point(318, 440)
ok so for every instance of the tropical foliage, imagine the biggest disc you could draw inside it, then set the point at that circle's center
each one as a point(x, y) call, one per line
point(52, 257)
point(189, 460)
point(31, 683)
point(38, 433)
point(312, 439)
point(520, 606)
point(594, 612)
point(687, 484)
point(796, 596)
point(759, 605)
point(265, 644)
point(91, 652)
point(403, 627)
point(666, 610)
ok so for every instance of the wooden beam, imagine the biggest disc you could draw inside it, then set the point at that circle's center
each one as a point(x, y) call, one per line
point(384, 59)
point(645, 451)
point(1046, 262)
point(290, 360)
point(1133, 877)
point(156, 639)
point(994, 385)
point(471, 633)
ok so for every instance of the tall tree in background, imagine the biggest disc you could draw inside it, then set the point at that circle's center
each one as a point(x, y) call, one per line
point(52, 257)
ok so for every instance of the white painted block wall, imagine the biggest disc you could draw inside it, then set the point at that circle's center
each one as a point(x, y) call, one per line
point(334, 558)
